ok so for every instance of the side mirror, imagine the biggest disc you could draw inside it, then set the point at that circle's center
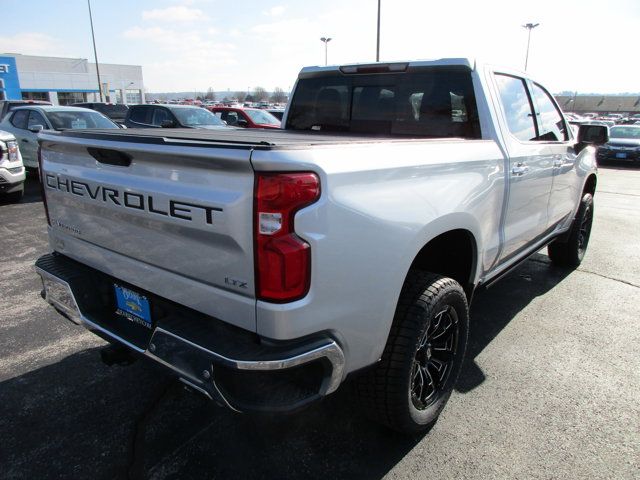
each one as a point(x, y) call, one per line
point(168, 124)
point(592, 135)
point(36, 128)
point(243, 123)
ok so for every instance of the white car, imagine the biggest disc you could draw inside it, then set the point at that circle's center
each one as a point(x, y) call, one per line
point(12, 173)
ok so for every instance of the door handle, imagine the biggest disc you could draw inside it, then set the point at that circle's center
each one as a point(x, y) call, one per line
point(557, 161)
point(25, 140)
point(520, 169)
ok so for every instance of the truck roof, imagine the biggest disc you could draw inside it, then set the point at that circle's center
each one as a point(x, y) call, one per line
point(398, 65)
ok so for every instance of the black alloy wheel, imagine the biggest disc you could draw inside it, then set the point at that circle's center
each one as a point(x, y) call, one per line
point(433, 361)
point(412, 382)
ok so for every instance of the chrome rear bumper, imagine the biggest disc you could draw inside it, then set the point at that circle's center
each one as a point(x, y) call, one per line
point(200, 366)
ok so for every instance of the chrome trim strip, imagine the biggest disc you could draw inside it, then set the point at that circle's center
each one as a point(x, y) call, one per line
point(331, 350)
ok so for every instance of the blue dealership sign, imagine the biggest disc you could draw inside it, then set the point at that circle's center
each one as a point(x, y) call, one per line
point(9, 81)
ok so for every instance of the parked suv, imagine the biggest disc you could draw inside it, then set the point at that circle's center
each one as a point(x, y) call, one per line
point(26, 122)
point(171, 116)
point(115, 111)
point(12, 172)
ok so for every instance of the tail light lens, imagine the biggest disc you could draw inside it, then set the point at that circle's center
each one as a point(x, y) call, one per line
point(283, 260)
point(41, 180)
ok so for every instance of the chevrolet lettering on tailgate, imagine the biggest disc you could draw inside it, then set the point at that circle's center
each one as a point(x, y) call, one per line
point(133, 200)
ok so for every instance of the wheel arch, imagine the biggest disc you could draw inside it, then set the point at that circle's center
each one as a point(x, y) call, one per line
point(454, 254)
point(590, 184)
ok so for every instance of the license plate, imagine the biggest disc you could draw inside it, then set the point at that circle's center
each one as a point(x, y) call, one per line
point(133, 306)
point(621, 155)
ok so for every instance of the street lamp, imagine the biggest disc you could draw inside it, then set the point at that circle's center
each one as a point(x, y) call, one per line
point(378, 36)
point(528, 26)
point(325, 40)
point(95, 52)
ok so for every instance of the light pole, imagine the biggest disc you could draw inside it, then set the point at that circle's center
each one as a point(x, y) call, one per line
point(325, 40)
point(95, 52)
point(528, 26)
point(378, 37)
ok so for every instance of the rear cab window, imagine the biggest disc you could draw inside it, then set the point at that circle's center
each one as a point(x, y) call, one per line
point(431, 102)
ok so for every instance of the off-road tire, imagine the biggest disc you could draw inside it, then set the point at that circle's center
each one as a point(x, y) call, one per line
point(570, 252)
point(385, 392)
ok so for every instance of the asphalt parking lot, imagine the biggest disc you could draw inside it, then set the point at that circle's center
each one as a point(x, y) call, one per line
point(551, 388)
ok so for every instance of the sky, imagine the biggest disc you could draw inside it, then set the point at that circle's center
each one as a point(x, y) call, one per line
point(583, 46)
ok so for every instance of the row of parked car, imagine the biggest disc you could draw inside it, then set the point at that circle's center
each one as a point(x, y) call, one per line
point(22, 120)
point(624, 135)
point(26, 119)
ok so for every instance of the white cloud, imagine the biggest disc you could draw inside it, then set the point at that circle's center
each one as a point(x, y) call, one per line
point(182, 57)
point(32, 43)
point(178, 13)
point(276, 11)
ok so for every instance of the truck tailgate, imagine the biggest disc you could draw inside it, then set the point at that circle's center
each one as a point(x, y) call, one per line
point(173, 218)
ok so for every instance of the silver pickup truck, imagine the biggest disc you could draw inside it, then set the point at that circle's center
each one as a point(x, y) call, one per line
point(265, 267)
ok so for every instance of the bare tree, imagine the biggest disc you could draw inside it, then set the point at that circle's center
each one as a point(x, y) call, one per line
point(241, 96)
point(259, 94)
point(278, 96)
point(210, 94)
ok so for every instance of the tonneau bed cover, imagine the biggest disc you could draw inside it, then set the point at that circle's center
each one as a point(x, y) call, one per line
point(234, 138)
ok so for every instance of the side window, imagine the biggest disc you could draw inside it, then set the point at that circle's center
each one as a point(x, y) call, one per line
point(140, 115)
point(230, 117)
point(35, 118)
point(551, 126)
point(159, 116)
point(517, 107)
point(19, 119)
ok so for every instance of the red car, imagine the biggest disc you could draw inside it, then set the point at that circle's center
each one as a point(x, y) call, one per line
point(246, 117)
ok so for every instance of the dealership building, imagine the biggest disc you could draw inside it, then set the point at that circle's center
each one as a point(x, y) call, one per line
point(63, 81)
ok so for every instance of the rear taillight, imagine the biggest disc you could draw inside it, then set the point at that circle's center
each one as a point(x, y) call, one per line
point(283, 260)
point(41, 179)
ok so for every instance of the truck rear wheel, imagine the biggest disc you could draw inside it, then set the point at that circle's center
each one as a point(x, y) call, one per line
point(571, 252)
point(421, 362)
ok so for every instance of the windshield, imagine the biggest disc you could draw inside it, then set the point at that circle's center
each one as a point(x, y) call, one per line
point(625, 132)
point(436, 102)
point(79, 120)
point(262, 118)
point(193, 117)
